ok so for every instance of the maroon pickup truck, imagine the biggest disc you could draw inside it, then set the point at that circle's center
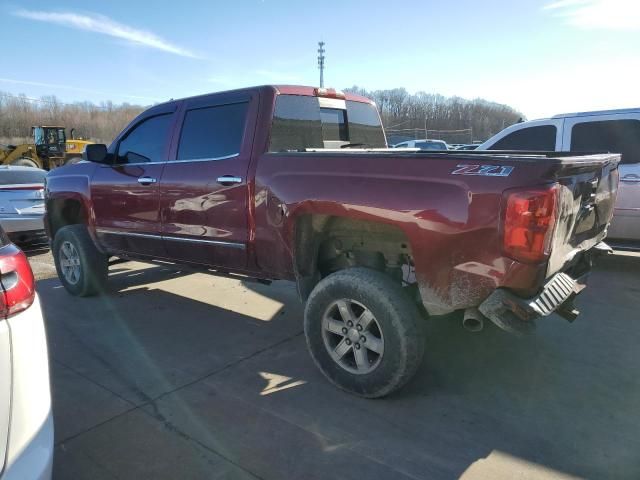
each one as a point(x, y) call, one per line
point(296, 183)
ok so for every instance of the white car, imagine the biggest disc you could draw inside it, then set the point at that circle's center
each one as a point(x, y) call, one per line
point(22, 203)
point(616, 131)
point(26, 421)
point(423, 144)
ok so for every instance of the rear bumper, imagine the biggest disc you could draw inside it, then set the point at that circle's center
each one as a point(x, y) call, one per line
point(516, 314)
point(21, 223)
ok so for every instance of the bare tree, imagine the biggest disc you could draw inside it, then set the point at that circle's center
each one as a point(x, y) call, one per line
point(96, 122)
point(422, 111)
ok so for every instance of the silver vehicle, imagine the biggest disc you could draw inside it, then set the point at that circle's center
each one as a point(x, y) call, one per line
point(616, 131)
point(423, 144)
point(22, 203)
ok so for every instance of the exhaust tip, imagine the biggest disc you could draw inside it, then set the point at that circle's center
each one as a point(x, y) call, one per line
point(473, 320)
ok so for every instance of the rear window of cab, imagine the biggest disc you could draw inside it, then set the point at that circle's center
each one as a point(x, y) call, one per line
point(300, 122)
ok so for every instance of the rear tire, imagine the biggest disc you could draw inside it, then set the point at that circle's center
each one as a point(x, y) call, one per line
point(81, 268)
point(378, 347)
point(25, 162)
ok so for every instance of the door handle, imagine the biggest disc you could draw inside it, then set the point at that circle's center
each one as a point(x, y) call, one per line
point(229, 180)
point(631, 178)
point(146, 181)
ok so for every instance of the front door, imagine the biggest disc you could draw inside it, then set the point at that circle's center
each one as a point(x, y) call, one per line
point(125, 193)
point(204, 190)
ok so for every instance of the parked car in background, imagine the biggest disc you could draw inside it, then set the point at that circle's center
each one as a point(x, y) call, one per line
point(22, 203)
point(470, 146)
point(26, 422)
point(265, 182)
point(616, 131)
point(423, 144)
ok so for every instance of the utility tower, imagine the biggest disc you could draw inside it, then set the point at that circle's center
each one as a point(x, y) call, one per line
point(321, 62)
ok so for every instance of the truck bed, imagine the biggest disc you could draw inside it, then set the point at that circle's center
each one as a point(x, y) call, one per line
point(447, 204)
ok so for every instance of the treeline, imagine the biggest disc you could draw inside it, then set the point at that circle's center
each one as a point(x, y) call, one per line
point(402, 114)
point(100, 123)
point(401, 110)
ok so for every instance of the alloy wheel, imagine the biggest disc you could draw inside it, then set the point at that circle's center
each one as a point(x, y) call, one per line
point(70, 262)
point(352, 336)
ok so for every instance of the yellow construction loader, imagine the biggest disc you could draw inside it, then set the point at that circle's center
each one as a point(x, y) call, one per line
point(74, 148)
point(50, 149)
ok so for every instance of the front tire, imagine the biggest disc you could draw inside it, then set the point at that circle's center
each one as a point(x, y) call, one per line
point(81, 268)
point(364, 332)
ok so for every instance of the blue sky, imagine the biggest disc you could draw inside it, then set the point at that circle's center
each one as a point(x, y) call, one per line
point(542, 57)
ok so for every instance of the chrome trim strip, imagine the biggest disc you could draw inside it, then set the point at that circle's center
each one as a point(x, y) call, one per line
point(137, 164)
point(131, 234)
point(241, 246)
point(226, 157)
point(211, 242)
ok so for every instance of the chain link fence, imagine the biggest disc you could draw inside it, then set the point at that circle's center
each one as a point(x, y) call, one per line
point(464, 135)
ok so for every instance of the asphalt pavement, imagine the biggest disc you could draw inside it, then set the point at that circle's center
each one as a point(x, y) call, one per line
point(188, 376)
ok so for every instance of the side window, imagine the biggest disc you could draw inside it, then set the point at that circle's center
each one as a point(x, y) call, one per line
point(615, 136)
point(212, 132)
point(146, 142)
point(364, 125)
point(296, 124)
point(542, 138)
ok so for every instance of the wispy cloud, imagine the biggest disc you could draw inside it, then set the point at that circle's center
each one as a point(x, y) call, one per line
point(598, 14)
point(58, 86)
point(106, 26)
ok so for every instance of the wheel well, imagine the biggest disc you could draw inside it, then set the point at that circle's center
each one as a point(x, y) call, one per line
point(326, 244)
point(64, 212)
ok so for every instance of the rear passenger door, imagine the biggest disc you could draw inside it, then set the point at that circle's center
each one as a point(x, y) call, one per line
point(204, 189)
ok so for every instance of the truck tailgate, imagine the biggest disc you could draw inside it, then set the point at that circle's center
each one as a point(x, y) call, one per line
point(588, 189)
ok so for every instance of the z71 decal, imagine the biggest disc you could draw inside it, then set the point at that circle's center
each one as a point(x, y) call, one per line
point(484, 170)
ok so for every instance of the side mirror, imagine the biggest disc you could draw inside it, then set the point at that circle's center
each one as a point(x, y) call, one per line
point(95, 152)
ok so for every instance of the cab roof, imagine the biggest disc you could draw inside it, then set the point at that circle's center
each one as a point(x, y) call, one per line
point(598, 112)
point(279, 89)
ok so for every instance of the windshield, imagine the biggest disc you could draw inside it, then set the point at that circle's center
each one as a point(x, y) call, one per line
point(38, 135)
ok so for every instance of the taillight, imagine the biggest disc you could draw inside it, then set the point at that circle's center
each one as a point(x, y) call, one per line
point(16, 279)
point(328, 93)
point(529, 221)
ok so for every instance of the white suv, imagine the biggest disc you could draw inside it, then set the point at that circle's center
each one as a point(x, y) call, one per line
point(26, 422)
point(616, 131)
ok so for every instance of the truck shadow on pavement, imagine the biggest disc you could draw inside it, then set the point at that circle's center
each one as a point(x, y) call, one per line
point(223, 365)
